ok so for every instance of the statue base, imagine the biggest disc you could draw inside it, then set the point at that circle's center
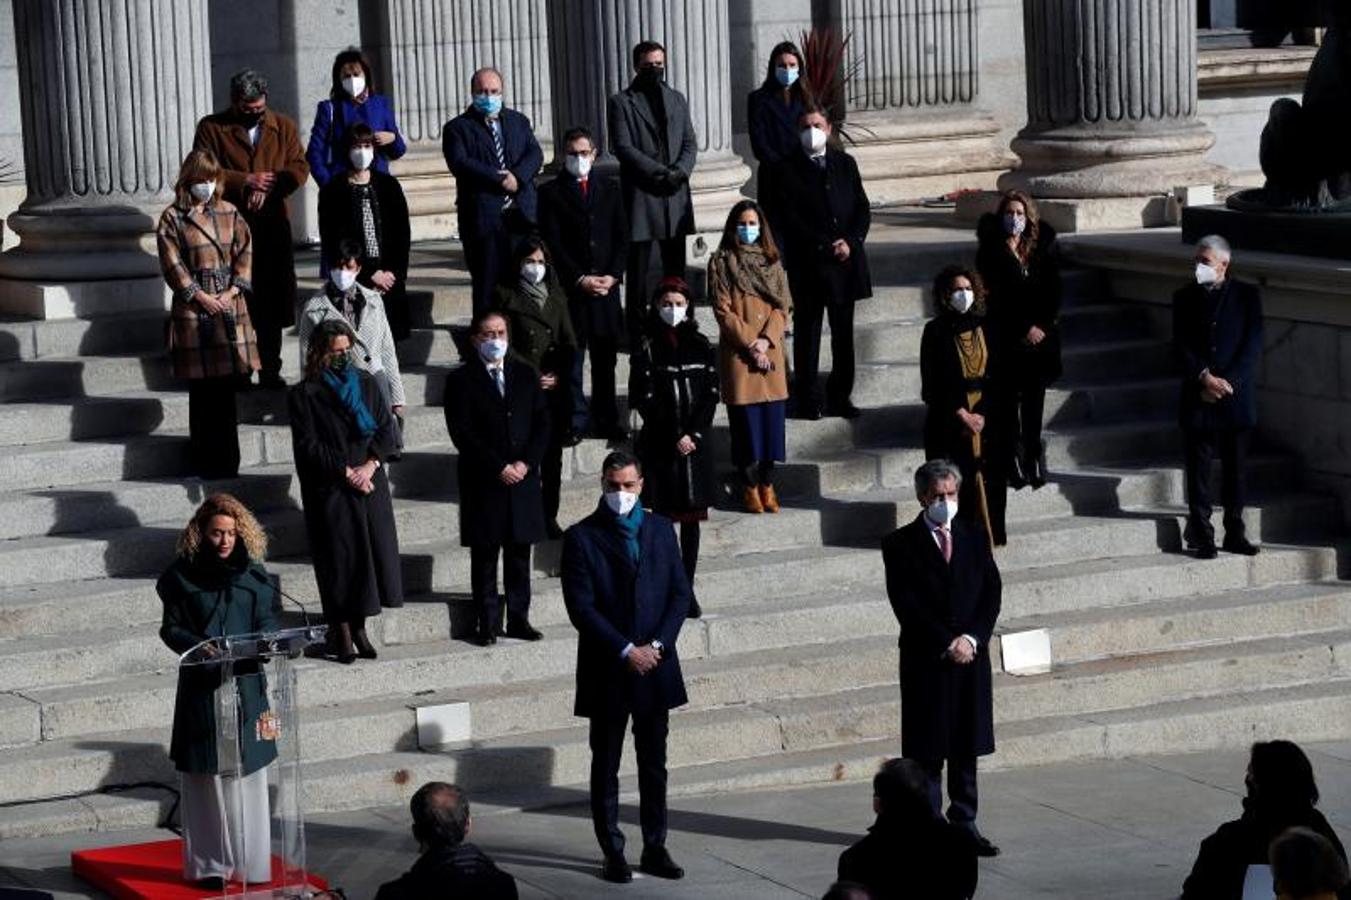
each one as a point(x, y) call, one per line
point(1304, 233)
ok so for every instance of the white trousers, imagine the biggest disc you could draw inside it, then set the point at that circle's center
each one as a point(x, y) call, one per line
point(226, 828)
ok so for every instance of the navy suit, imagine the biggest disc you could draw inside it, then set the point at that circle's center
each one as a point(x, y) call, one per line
point(487, 223)
point(1219, 331)
point(614, 602)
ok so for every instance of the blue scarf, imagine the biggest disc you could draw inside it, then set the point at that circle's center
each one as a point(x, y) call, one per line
point(348, 387)
point(628, 528)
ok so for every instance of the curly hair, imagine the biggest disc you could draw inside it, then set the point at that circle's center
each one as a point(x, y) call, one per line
point(246, 526)
point(942, 289)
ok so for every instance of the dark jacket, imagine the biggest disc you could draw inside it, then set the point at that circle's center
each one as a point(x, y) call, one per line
point(946, 708)
point(204, 599)
point(612, 603)
point(340, 219)
point(916, 859)
point(467, 144)
point(1219, 330)
point(353, 541)
point(1019, 297)
point(1222, 863)
point(659, 205)
point(587, 236)
point(541, 336)
point(462, 872)
point(673, 382)
point(808, 210)
point(491, 431)
point(327, 150)
point(773, 125)
point(943, 387)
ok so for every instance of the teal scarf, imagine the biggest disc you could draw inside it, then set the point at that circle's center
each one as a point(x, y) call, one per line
point(348, 387)
point(628, 529)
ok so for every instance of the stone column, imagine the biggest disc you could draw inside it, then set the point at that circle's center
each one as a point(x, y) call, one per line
point(110, 94)
point(1111, 108)
point(591, 44)
point(912, 107)
point(431, 48)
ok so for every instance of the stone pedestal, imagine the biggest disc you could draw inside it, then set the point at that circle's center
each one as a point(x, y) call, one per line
point(591, 42)
point(1112, 111)
point(109, 104)
point(913, 106)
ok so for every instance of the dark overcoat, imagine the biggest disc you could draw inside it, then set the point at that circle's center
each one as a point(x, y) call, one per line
point(808, 210)
point(1019, 297)
point(657, 208)
point(463, 871)
point(614, 603)
point(772, 125)
point(673, 382)
point(353, 541)
point(467, 144)
point(1219, 330)
point(204, 599)
point(943, 388)
point(491, 431)
point(1223, 861)
point(340, 219)
point(541, 335)
point(914, 857)
point(946, 708)
point(587, 236)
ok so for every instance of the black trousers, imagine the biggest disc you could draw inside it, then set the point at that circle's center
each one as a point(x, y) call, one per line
point(607, 744)
point(807, 317)
point(484, 256)
point(1201, 445)
point(515, 580)
point(603, 414)
point(213, 427)
point(1024, 414)
point(551, 469)
point(267, 319)
point(649, 263)
point(961, 788)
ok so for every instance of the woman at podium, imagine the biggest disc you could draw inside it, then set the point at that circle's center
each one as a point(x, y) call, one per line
point(217, 586)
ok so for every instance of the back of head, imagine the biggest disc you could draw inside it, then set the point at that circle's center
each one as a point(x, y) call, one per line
point(1280, 781)
point(847, 890)
point(902, 791)
point(440, 815)
point(1305, 865)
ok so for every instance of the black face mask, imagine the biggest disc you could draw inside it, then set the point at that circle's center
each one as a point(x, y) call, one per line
point(250, 119)
point(651, 76)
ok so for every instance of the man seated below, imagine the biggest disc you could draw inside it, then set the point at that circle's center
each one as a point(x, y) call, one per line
point(910, 851)
point(1306, 866)
point(449, 866)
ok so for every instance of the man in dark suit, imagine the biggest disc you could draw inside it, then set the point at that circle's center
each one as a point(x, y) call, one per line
point(652, 136)
point(492, 152)
point(815, 202)
point(945, 590)
point(627, 595)
point(1217, 336)
point(499, 420)
point(582, 220)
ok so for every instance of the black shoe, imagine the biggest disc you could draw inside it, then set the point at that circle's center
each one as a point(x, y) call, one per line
point(365, 649)
point(552, 530)
point(1240, 545)
point(616, 869)
point(485, 635)
point(695, 609)
point(1207, 551)
point(521, 629)
point(1017, 474)
point(809, 412)
point(658, 863)
point(213, 883)
point(844, 410)
point(984, 847)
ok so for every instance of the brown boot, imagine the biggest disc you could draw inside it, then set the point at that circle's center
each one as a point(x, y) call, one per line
point(768, 499)
point(751, 500)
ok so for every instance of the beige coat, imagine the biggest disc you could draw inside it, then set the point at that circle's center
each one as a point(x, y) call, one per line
point(751, 301)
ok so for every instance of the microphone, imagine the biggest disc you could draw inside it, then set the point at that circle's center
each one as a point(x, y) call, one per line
point(275, 583)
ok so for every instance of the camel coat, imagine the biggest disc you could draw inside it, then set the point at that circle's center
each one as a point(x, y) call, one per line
point(750, 300)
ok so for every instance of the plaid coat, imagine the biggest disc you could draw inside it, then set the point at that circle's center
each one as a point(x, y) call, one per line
point(208, 250)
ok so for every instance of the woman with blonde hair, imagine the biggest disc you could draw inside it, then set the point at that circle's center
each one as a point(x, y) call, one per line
point(751, 302)
point(206, 256)
point(216, 587)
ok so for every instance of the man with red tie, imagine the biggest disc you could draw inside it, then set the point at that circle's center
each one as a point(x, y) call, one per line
point(945, 589)
point(583, 221)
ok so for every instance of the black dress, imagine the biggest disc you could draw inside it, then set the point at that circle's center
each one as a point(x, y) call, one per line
point(341, 218)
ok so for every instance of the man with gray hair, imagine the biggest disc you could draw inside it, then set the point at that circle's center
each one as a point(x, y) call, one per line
point(262, 164)
point(945, 589)
point(1217, 338)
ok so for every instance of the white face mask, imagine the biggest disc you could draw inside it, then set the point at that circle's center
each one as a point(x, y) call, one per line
point(202, 191)
point(343, 279)
point(962, 299)
point(492, 349)
point(673, 315)
point(532, 272)
point(813, 140)
point(1206, 275)
point(362, 157)
point(621, 503)
point(577, 166)
point(354, 85)
point(941, 511)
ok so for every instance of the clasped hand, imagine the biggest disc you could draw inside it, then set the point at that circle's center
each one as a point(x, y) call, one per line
point(360, 478)
point(643, 659)
point(598, 285)
point(513, 473)
point(974, 422)
point(960, 652)
point(1214, 388)
point(215, 303)
point(685, 446)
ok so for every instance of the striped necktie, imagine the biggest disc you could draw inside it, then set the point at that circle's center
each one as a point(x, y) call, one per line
point(495, 129)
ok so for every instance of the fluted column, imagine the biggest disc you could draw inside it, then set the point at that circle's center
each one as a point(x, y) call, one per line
point(433, 49)
point(913, 104)
point(590, 47)
point(1111, 107)
point(110, 93)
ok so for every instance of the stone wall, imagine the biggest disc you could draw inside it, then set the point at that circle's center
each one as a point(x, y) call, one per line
point(11, 136)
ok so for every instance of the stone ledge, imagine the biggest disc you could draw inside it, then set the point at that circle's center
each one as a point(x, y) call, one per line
point(1275, 67)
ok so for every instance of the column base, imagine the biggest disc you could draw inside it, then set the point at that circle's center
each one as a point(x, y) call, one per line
point(430, 191)
point(908, 156)
point(717, 185)
point(82, 299)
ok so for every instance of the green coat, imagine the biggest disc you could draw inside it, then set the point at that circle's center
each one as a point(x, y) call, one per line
point(202, 600)
point(542, 336)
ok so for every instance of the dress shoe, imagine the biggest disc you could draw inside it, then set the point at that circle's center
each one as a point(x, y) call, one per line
point(983, 846)
point(751, 500)
point(340, 645)
point(1240, 545)
point(1017, 474)
point(485, 636)
point(768, 499)
point(616, 869)
point(522, 630)
point(843, 409)
point(696, 611)
point(365, 649)
point(1207, 551)
point(658, 863)
point(212, 883)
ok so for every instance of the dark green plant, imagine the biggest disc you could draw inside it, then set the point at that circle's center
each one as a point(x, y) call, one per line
point(832, 67)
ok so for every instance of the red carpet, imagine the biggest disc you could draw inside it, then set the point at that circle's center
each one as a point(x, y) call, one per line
point(151, 871)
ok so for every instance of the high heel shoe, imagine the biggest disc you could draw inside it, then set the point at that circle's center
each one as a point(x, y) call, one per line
point(768, 499)
point(365, 649)
point(340, 644)
point(1036, 467)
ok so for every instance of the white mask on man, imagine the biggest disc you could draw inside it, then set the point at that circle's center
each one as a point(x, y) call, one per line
point(202, 191)
point(492, 349)
point(941, 511)
point(577, 166)
point(813, 140)
point(354, 85)
point(1206, 275)
point(362, 157)
point(962, 300)
point(621, 503)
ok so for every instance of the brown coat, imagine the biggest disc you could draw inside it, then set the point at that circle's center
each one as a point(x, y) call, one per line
point(751, 301)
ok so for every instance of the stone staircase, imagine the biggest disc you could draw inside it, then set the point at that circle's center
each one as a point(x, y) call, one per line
point(792, 672)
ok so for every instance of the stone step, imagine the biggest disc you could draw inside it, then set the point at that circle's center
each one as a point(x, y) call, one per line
point(39, 339)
